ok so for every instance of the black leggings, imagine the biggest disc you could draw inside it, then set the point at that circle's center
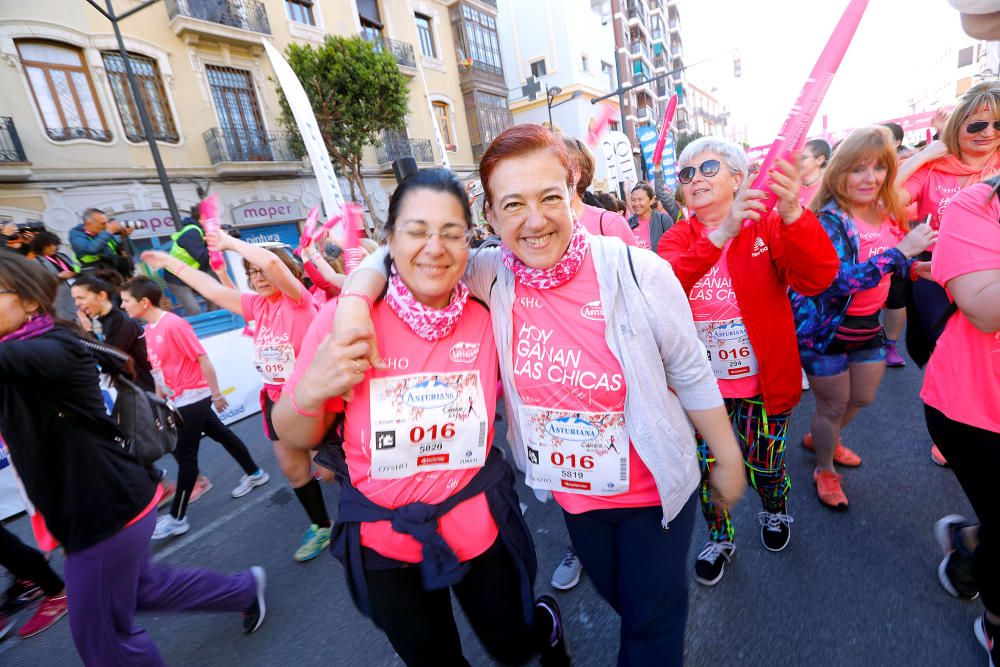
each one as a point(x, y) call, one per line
point(200, 418)
point(974, 456)
point(421, 626)
point(26, 563)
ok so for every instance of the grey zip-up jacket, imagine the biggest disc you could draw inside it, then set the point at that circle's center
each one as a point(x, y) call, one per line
point(649, 330)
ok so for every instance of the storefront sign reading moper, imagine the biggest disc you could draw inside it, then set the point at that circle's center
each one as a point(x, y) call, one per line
point(267, 212)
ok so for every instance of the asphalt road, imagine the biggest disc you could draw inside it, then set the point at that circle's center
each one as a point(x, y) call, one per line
point(857, 588)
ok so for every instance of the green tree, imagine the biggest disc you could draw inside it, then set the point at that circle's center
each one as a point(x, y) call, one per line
point(685, 138)
point(356, 90)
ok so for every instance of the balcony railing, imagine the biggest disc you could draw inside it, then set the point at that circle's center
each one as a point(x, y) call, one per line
point(245, 14)
point(11, 149)
point(240, 145)
point(396, 145)
point(401, 51)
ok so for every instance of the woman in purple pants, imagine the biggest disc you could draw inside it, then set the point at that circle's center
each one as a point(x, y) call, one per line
point(97, 500)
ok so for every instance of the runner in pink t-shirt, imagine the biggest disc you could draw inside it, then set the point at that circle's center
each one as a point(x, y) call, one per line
point(185, 375)
point(281, 309)
point(606, 223)
point(961, 395)
point(873, 241)
point(420, 482)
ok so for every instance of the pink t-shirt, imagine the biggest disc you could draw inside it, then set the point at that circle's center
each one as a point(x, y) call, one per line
point(873, 241)
point(933, 190)
point(561, 361)
point(641, 232)
point(962, 379)
point(469, 528)
point(281, 324)
point(714, 307)
point(173, 350)
point(599, 222)
point(807, 192)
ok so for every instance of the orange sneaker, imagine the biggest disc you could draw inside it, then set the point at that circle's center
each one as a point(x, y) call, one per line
point(169, 491)
point(201, 486)
point(938, 457)
point(829, 490)
point(842, 455)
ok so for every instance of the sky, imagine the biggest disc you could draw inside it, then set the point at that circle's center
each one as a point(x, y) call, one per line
point(778, 41)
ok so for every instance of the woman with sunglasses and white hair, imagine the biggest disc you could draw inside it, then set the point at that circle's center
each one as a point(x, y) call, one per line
point(966, 154)
point(737, 280)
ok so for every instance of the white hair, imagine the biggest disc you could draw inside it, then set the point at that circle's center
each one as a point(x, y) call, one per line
point(732, 154)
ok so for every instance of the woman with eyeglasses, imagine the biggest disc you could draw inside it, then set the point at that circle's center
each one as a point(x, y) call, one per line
point(597, 348)
point(841, 342)
point(281, 308)
point(427, 505)
point(965, 155)
point(736, 278)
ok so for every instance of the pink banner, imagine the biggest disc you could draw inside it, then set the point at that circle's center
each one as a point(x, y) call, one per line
point(668, 118)
point(792, 135)
point(209, 210)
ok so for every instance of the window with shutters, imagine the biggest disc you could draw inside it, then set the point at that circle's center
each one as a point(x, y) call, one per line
point(151, 91)
point(241, 121)
point(443, 114)
point(301, 11)
point(63, 91)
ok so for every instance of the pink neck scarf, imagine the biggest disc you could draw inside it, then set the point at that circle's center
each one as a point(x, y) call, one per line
point(557, 274)
point(36, 326)
point(431, 324)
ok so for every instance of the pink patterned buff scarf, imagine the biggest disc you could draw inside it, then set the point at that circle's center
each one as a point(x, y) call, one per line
point(431, 324)
point(36, 326)
point(557, 274)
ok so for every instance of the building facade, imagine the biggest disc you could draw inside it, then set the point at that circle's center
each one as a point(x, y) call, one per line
point(70, 136)
point(707, 115)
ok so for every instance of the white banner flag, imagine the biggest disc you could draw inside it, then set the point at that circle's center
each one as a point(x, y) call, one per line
point(305, 119)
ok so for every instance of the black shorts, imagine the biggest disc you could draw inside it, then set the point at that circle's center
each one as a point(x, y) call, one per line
point(897, 293)
point(266, 406)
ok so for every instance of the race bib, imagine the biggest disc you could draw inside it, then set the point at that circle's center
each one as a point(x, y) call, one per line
point(729, 350)
point(427, 422)
point(274, 363)
point(575, 452)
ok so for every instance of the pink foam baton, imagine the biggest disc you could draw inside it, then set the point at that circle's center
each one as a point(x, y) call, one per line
point(792, 135)
point(209, 209)
point(352, 236)
point(599, 124)
point(668, 118)
point(930, 135)
point(309, 232)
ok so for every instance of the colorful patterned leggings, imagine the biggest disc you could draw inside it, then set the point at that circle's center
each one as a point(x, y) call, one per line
point(762, 441)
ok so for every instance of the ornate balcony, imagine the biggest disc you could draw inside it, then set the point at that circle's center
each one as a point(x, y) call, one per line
point(14, 165)
point(235, 21)
point(239, 152)
point(402, 52)
point(396, 144)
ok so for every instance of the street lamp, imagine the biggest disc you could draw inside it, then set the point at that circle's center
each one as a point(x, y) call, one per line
point(551, 94)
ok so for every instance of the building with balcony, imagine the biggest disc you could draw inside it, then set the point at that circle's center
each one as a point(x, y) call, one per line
point(565, 47)
point(706, 114)
point(70, 136)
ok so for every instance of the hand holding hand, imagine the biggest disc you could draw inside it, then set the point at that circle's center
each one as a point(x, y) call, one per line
point(786, 181)
point(917, 241)
point(341, 362)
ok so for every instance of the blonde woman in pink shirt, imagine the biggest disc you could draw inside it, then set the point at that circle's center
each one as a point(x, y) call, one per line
point(281, 308)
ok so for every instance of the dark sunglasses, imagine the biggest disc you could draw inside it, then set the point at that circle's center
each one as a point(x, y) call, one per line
point(708, 169)
point(978, 126)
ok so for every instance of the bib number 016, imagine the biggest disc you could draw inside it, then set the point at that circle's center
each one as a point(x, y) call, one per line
point(418, 433)
point(572, 461)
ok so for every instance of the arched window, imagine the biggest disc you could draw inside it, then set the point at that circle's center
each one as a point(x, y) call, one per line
point(442, 112)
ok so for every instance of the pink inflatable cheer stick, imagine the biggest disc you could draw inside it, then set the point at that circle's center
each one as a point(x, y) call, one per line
point(209, 210)
point(599, 124)
point(352, 236)
point(309, 233)
point(668, 118)
point(930, 135)
point(792, 135)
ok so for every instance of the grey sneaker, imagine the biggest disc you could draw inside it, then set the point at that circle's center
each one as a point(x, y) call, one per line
point(168, 526)
point(249, 482)
point(567, 575)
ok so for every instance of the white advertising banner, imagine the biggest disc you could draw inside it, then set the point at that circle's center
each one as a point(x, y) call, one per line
point(298, 101)
point(618, 152)
point(231, 354)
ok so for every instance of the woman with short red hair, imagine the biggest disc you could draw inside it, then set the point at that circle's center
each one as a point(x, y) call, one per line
point(599, 383)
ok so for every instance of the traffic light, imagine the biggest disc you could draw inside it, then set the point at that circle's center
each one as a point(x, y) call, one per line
point(737, 67)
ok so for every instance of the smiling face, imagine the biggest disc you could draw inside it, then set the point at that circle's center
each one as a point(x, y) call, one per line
point(430, 245)
point(531, 207)
point(864, 182)
point(708, 194)
point(981, 143)
point(641, 202)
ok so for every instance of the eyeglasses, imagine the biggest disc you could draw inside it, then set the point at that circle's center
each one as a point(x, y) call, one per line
point(708, 169)
point(252, 272)
point(449, 238)
point(7, 291)
point(978, 126)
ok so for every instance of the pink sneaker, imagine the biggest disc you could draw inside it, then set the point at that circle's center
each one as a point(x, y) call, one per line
point(201, 486)
point(893, 359)
point(49, 611)
point(938, 457)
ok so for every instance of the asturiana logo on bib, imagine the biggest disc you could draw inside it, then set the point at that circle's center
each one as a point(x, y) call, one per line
point(430, 394)
point(571, 428)
point(463, 353)
point(730, 330)
point(593, 311)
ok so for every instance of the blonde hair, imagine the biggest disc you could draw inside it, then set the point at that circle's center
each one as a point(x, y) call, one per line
point(984, 96)
point(862, 146)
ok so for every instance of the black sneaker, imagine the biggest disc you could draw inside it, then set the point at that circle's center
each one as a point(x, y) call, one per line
point(775, 529)
point(712, 561)
point(956, 572)
point(987, 639)
point(20, 594)
point(555, 652)
point(254, 616)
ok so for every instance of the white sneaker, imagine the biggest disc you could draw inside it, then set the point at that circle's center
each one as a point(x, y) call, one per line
point(805, 382)
point(567, 575)
point(167, 526)
point(249, 482)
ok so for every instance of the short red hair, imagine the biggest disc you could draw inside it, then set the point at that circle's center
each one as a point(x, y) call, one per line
point(518, 141)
